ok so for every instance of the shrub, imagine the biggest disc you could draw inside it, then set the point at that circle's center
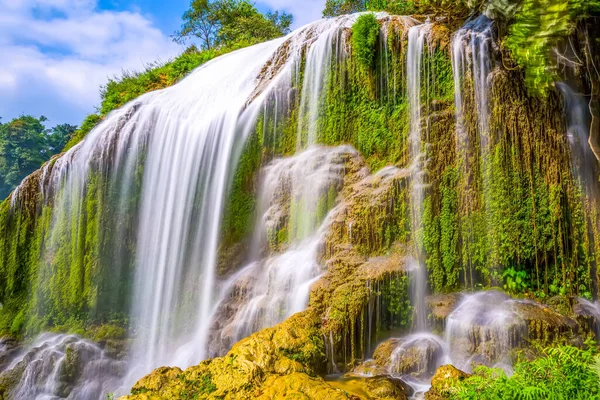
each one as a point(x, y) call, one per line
point(364, 38)
point(562, 372)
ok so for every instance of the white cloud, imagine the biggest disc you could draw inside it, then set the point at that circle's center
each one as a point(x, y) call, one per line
point(57, 53)
point(304, 11)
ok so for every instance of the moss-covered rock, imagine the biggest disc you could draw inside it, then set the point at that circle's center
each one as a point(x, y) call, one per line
point(292, 348)
point(439, 308)
point(376, 387)
point(444, 381)
point(543, 323)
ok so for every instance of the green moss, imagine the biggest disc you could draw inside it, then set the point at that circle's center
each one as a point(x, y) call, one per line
point(538, 28)
point(365, 33)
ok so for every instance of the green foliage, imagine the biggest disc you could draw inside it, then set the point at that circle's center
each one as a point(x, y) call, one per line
point(25, 144)
point(230, 23)
point(119, 91)
point(364, 38)
point(539, 27)
point(515, 281)
point(396, 303)
point(562, 372)
point(441, 234)
point(401, 7)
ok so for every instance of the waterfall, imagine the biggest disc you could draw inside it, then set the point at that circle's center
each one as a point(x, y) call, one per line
point(298, 193)
point(471, 65)
point(416, 47)
point(167, 160)
point(316, 71)
point(578, 128)
point(152, 179)
point(471, 57)
point(63, 366)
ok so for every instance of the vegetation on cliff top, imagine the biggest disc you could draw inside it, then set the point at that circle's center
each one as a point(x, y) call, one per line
point(213, 28)
point(536, 28)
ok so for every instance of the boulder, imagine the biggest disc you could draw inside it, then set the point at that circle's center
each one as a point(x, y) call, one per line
point(440, 306)
point(376, 387)
point(444, 381)
point(417, 355)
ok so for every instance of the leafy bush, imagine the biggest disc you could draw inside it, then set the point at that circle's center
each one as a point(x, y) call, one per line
point(515, 281)
point(563, 372)
point(364, 38)
point(538, 27)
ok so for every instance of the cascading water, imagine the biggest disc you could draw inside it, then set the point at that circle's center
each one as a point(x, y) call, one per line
point(168, 159)
point(184, 139)
point(471, 57)
point(578, 128)
point(471, 65)
point(63, 366)
point(297, 193)
point(319, 57)
point(416, 46)
point(483, 329)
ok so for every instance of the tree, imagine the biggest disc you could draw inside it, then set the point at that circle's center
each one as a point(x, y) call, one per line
point(333, 8)
point(59, 136)
point(25, 144)
point(200, 22)
point(230, 23)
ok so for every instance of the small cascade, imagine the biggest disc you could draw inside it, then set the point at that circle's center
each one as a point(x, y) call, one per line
point(483, 329)
point(63, 366)
point(472, 63)
point(417, 36)
point(329, 45)
point(297, 192)
point(578, 128)
point(419, 355)
point(589, 311)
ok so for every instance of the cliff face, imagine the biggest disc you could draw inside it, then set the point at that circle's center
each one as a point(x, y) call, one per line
point(497, 189)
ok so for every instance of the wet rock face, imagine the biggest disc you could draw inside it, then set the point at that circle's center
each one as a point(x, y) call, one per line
point(440, 306)
point(416, 355)
point(63, 366)
point(9, 347)
point(587, 314)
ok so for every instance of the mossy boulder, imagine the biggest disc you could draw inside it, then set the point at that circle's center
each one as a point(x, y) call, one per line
point(444, 382)
point(300, 386)
point(293, 348)
point(543, 323)
point(376, 387)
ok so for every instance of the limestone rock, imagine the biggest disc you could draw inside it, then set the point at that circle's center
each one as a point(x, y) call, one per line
point(370, 368)
point(417, 355)
point(445, 379)
point(440, 306)
point(377, 387)
point(543, 323)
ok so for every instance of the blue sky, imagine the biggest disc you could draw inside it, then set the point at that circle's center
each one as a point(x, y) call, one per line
point(57, 53)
